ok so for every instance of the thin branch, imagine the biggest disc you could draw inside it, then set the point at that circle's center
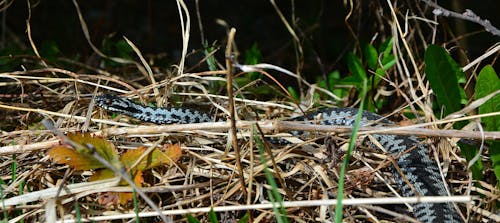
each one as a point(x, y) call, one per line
point(468, 15)
point(300, 204)
point(232, 113)
point(269, 126)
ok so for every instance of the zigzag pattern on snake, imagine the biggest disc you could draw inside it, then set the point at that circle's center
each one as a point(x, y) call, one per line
point(421, 171)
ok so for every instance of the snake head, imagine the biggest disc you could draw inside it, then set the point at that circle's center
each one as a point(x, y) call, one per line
point(116, 104)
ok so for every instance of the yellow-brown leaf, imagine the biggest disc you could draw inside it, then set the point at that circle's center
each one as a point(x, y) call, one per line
point(155, 158)
point(63, 154)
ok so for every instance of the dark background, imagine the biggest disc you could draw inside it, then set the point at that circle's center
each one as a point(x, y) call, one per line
point(155, 28)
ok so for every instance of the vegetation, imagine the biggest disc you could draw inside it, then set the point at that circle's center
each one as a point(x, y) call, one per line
point(400, 60)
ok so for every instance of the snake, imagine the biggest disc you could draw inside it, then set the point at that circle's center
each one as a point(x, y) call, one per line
point(413, 159)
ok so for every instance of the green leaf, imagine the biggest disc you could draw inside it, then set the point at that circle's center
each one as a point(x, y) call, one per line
point(13, 168)
point(212, 216)
point(123, 49)
point(487, 83)
point(442, 72)
point(386, 47)
point(253, 56)
point(274, 194)
point(49, 50)
point(244, 219)
point(78, 213)
point(332, 79)
point(388, 61)
point(371, 56)
point(119, 48)
point(356, 68)
point(470, 151)
point(321, 83)
point(212, 65)
point(495, 158)
point(191, 219)
point(293, 93)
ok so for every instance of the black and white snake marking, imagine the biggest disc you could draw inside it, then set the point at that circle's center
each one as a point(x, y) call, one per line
point(151, 114)
point(421, 171)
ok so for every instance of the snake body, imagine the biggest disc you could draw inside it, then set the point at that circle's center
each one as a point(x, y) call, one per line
point(421, 171)
point(157, 115)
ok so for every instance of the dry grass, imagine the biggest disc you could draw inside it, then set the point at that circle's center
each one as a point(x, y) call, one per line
point(209, 175)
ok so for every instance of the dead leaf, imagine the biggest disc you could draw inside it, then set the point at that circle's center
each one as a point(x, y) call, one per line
point(171, 154)
point(82, 159)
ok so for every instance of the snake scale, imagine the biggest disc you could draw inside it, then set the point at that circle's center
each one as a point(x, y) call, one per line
point(421, 171)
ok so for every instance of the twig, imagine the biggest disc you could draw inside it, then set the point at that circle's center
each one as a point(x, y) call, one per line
point(301, 204)
point(268, 126)
point(232, 115)
point(468, 15)
point(53, 192)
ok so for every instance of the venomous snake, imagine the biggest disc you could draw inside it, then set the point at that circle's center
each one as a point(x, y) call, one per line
point(421, 171)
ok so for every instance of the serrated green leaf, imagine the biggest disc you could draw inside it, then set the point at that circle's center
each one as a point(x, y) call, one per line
point(371, 56)
point(487, 83)
point(442, 72)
